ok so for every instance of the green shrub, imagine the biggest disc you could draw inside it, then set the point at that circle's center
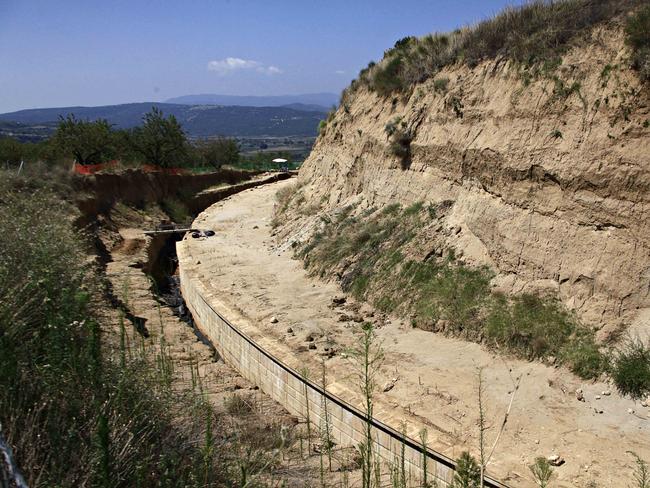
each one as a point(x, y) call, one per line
point(400, 145)
point(535, 34)
point(440, 84)
point(176, 210)
point(468, 472)
point(529, 324)
point(387, 78)
point(583, 357)
point(631, 368)
point(237, 405)
point(542, 471)
point(636, 29)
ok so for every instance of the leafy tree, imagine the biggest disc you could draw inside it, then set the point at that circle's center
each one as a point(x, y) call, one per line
point(218, 152)
point(11, 150)
point(160, 141)
point(123, 143)
point(88, 142)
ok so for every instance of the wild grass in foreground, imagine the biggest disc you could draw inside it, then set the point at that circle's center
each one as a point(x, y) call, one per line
point(75, 411)
point(390, 258)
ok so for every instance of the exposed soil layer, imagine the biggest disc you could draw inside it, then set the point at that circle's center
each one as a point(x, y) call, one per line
point(433, 378)
point(547, 177)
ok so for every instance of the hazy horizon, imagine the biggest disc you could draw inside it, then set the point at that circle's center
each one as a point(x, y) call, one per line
point(76, 53)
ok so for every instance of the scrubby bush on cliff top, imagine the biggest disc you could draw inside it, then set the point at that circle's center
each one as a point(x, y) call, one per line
point(538, 33)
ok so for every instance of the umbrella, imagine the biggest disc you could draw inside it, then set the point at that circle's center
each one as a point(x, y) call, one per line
point(279, 160)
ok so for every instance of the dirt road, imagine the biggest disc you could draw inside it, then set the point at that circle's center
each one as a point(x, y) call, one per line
point(434, 377)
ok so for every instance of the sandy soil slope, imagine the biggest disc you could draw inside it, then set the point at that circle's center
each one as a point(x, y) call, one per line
point(435, 378)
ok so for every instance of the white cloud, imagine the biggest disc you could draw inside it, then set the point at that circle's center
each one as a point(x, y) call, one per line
point(272, 70)
point(230, 65)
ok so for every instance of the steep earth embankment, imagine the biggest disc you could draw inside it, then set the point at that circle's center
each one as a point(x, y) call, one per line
point(547, 180)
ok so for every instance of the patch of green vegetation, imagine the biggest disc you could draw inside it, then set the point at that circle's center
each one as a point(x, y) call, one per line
point(400, 138)
point(442, 293)
point(84, 402)
point(535, 35)
point(631, 368)
point(636, 30)
point(71, 417)
point(176, 210)
point(440, 84)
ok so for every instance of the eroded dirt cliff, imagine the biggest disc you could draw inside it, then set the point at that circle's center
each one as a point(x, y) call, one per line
point(547, 178)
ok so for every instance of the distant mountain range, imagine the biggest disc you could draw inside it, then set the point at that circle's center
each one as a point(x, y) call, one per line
point(318, 101)
point(197, 120)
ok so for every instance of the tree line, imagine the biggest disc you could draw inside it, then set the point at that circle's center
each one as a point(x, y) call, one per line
point(160, 141)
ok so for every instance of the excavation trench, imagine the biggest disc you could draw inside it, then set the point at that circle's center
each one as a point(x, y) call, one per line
point(166, 285)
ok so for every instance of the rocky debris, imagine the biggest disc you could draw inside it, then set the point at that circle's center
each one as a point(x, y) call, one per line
point(357, 318)
point(344, 318)
point(630, 411)
point(441, 325)
point(309, 338)
point(390, 384)
point(598, 410)
point(579, 395)
point(290, 330)
point(606, 393)
point(328, 352)
point(312, 345)
point(338, 300)
point(555, 460)
point(274, 320)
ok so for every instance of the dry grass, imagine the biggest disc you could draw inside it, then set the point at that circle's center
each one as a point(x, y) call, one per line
point(537, 34)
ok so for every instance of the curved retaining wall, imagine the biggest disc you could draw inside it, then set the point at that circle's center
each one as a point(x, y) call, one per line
point(297, 394)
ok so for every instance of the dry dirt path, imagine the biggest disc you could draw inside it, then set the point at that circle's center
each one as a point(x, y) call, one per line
point(435, 378)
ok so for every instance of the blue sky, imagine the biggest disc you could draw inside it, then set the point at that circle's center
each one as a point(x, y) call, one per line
point(93, 52)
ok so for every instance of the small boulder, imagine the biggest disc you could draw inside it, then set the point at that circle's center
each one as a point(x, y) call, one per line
point(289, 330)
point(339, 300)
point(388, 386)
point(274, 320)
point(555, 460)
point(312, 345)
point(579, 395)
point(344, 318)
